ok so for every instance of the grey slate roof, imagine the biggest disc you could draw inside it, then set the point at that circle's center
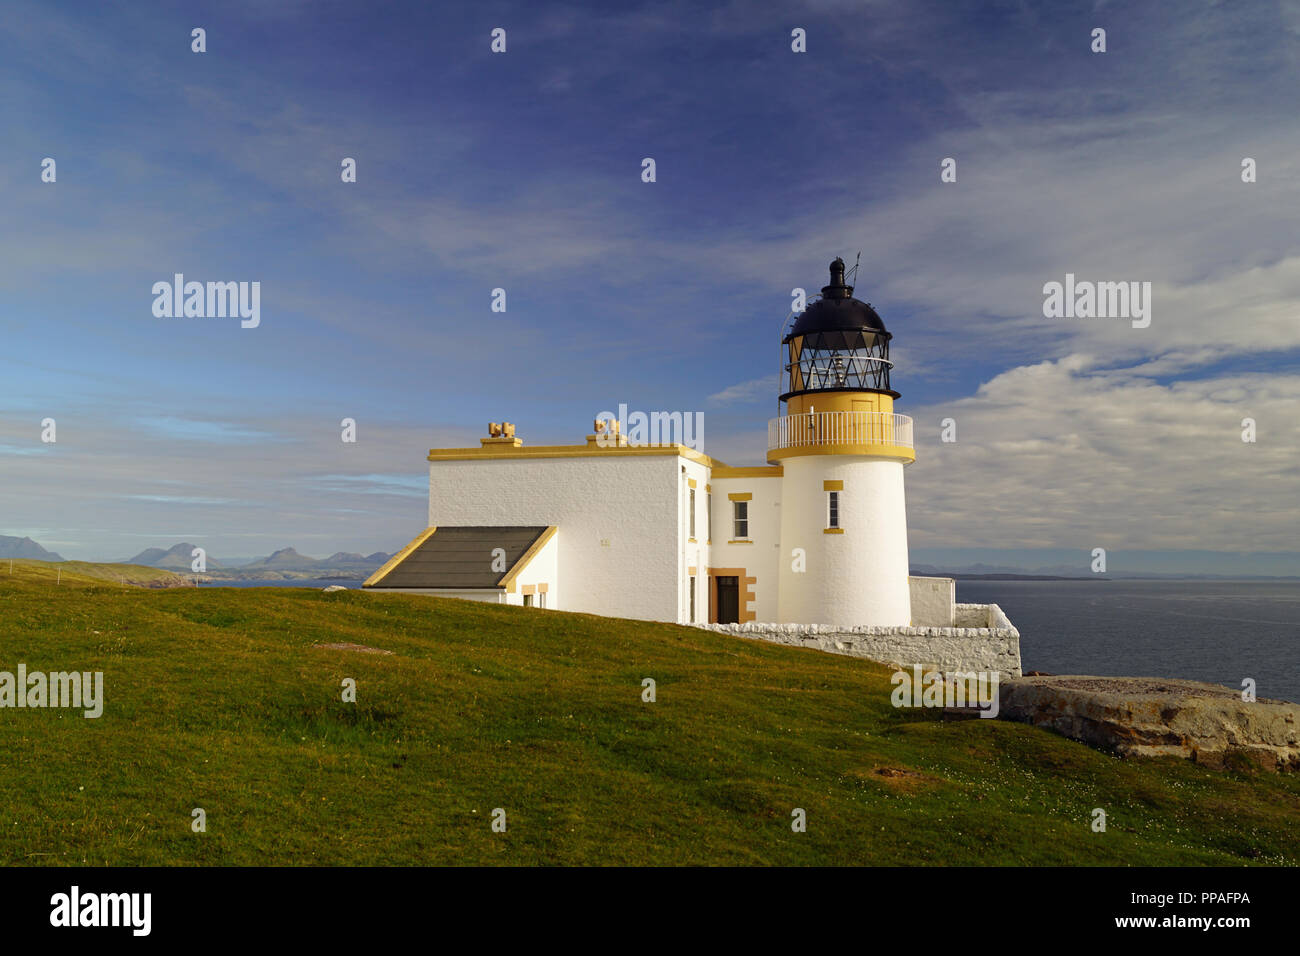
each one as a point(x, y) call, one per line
point(459, 557)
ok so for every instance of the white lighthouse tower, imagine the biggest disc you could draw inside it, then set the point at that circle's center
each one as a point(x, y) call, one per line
point(842, 448)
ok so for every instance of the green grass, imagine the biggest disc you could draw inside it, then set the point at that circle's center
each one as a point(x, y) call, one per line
point(84, 572)
point(216, 698)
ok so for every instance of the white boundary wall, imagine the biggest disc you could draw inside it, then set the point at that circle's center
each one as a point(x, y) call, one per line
point(934, 601)
point(995, 646)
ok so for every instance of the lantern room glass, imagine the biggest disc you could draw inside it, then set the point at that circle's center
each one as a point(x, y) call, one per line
point(833, 361)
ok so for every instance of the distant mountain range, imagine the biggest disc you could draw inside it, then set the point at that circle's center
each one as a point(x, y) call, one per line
point(993, 572)
point(25, 548)
point(176, 558)
point(180, 558)
point(998, 572)
point(287, 559)
point(288, 563)
point(280, 565)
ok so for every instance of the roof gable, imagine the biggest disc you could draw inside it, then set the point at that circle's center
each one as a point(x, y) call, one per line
point(461, 557)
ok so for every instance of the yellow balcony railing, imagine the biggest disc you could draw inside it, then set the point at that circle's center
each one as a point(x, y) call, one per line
point(810, 429)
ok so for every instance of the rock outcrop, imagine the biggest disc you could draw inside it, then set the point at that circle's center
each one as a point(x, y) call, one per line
point(1156, 717)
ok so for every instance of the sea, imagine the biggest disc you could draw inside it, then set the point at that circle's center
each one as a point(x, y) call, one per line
point(1217, 631)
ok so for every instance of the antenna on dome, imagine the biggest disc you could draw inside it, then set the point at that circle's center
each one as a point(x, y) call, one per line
point(851, 279)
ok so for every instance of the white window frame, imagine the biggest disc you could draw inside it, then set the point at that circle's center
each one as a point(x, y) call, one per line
point(736, 520)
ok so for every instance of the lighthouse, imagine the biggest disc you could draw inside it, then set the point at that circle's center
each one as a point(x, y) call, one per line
point(659, 530)
point(842, 451)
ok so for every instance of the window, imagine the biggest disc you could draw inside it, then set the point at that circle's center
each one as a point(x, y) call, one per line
point(832, 509)
point(692, 617)
point(742, 518)
point(692, 507)
point(528, 600)
point(541, 599)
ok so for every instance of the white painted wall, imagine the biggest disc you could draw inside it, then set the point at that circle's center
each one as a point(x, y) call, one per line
point(619, 520)
point(623, 547)
point(858, 578)
point(760, 557)
point(694, 554)
point(542, 569)
point(934, 601)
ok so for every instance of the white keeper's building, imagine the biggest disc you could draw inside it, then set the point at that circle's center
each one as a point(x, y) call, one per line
point(664, 532)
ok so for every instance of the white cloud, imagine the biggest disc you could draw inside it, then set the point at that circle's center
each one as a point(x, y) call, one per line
point(753, 390)
point(1052, 455)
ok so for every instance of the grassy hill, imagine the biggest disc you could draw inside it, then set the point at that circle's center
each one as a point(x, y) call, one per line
point(221, 699)
point(86, 572)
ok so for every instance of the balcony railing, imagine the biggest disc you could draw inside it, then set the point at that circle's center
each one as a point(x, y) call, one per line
point(839, 428)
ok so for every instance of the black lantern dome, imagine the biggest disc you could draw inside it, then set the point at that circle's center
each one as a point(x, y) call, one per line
point(838, 344)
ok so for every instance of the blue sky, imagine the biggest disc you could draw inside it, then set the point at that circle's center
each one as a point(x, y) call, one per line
point(522, 171)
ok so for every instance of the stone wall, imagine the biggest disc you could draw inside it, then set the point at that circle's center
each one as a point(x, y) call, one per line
point(985, 641)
